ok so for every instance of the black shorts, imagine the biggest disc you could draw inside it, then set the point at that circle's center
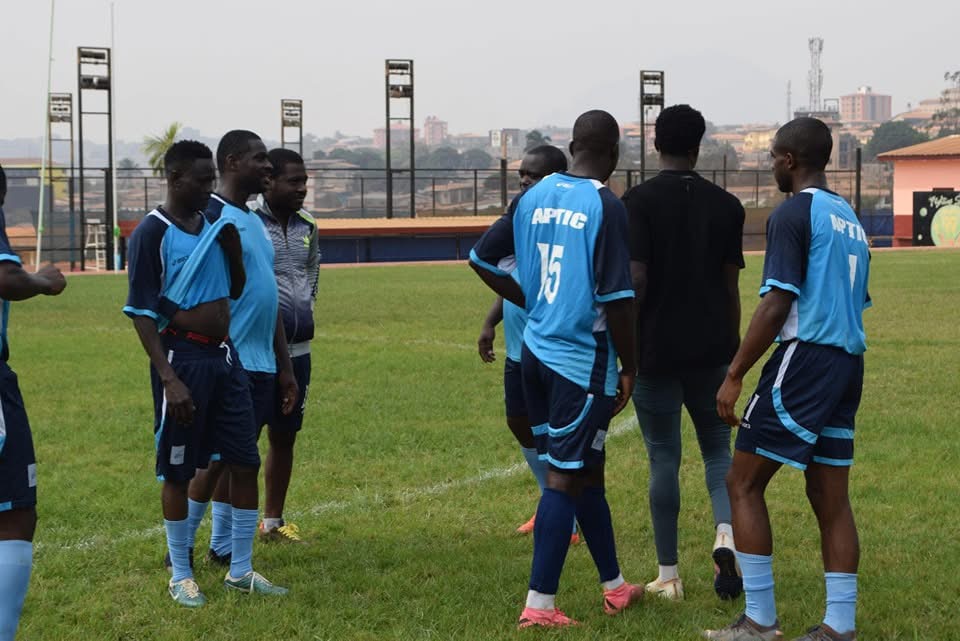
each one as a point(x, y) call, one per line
point(263, 393)
point(222, 420)
point(18, 464)
point(804, 407)
point(513, 388)
point(293, 421)
point(569, 423)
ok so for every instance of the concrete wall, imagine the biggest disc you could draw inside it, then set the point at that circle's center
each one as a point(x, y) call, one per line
point(917, 175)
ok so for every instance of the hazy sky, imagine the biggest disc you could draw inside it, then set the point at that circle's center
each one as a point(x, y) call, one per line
point(216, 65)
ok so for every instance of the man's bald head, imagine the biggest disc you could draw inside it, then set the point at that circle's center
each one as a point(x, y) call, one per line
point(595, 132)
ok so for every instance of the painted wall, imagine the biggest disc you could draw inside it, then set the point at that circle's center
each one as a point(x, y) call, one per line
point(917, 175)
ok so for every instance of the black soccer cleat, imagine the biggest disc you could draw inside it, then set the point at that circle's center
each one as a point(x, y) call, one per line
point(167, 563)
point(216, 559)
point(726, 582)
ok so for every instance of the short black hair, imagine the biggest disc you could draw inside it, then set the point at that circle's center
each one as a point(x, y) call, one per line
point(281, 157)
point(182, 154)
point(234, 142)
point(596, 131)
point(808, 139)
point(553, 157)
point(679, 130)
point(3, 180)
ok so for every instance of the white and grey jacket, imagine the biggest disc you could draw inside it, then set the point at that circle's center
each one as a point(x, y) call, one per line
point(296, 264)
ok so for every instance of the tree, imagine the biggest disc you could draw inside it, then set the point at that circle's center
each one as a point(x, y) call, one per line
point(947, 118)
point(713, 152)
point(476, 159)
point(154, 147)
point(892, 135)
point(535, 139)
point(440, 158)
point(126, 171)
point(364, 157)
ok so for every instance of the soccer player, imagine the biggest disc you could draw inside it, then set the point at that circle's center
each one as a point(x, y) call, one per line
point(802, 414)
point(536, 164)
point(182, 270)
point(255, 328)
point(296, 265)
point(685, 258)
point(568, 238)
point(18, 465)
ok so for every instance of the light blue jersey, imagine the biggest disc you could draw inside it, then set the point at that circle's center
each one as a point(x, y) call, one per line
point(6, 255)
point(160, 253)
point(514, 322)
point(253, 316)
point(817, 249)
point(568, 239)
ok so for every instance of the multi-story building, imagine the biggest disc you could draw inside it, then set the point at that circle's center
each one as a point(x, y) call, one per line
point(865, 106)
point(399, 134)
point(434, 131)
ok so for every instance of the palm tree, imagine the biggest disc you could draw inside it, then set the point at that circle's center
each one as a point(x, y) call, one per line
point(156, 146)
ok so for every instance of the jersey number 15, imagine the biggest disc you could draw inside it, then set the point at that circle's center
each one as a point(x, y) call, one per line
point(549, 271)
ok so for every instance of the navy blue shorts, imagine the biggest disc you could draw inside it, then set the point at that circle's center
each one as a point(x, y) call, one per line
point(18, 465)
point(293, 421)
point(569, 424)
point(263, 393)
point(222, 420)
point(804, 406)
point(513, 388)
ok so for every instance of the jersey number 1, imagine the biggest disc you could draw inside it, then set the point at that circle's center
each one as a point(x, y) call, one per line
point(549, 271)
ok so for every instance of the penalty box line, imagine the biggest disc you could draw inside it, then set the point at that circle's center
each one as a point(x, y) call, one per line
point(360, 502)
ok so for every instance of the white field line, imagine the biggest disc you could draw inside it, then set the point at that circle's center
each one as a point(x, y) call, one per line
point(360, 502)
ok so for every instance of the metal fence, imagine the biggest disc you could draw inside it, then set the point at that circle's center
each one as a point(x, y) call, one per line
point(74, 229)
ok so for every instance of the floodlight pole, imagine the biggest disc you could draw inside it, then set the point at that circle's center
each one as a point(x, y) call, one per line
point(291, 117)
point(398, 75)
point(100, 57)
point(653, 98)
point(60, 110)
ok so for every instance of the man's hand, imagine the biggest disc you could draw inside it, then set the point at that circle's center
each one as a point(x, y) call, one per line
point(727, 397)
point(179, 401)
point(624, 391)
point(289, 390)
point(485, 344)
point(229, 239)
point(55, 281)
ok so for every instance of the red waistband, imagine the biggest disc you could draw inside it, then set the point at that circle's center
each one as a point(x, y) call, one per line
point(194, 337)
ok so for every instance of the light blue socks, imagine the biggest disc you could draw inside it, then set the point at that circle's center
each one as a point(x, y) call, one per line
point(220, 536)
point(195, 513)
point(177, 537)
point(16, 561)
point(841, 601)
point(244, 528)
point(538, 467)
point(757, 570)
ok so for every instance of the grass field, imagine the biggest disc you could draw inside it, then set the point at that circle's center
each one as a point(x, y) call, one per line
point(408, 484)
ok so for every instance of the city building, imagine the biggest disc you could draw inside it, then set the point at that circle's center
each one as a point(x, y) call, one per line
point(434, 131)
point(758, 141)
point(865, 106)
point(399, 134)
point(926, 192)
point(510, 141)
